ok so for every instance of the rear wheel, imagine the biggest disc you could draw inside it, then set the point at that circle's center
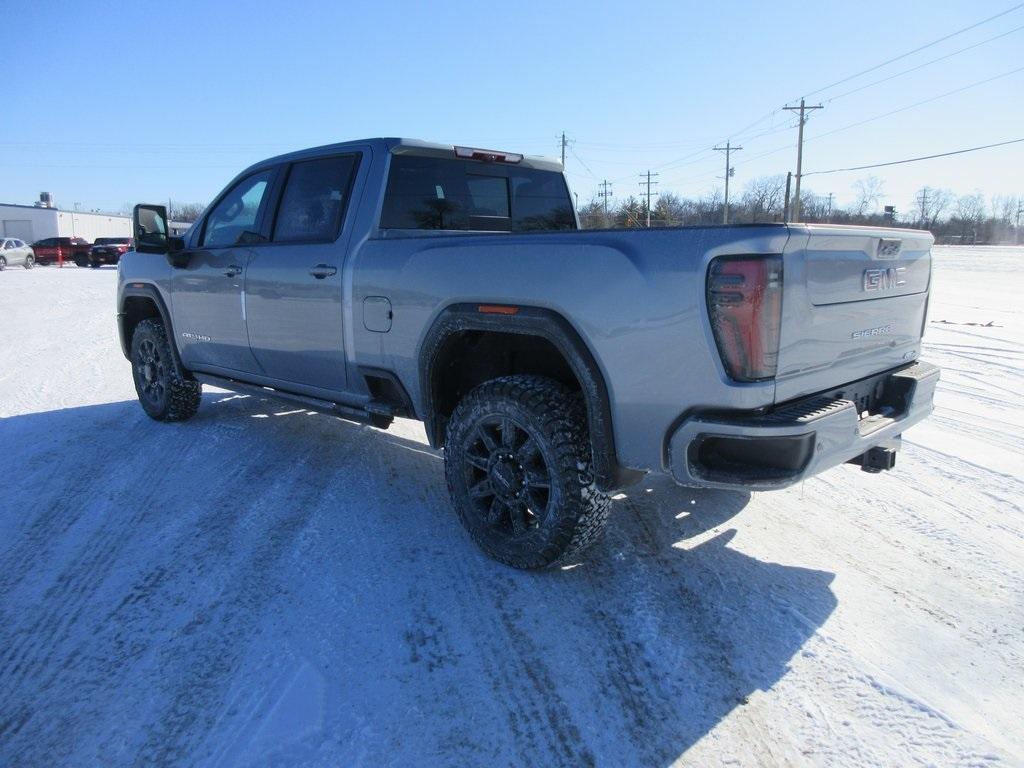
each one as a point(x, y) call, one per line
point(29, 261)
point(518, 466)
point(163, 393)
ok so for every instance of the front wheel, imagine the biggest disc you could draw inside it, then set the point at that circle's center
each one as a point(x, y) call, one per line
point(3, 263)
point(163, 393)
point(518, 466)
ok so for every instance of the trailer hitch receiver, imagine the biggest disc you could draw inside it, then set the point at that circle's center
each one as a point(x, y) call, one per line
point(876, 459)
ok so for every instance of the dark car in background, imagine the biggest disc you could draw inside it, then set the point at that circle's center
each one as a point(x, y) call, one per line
point(52, 250)
point(108, 250)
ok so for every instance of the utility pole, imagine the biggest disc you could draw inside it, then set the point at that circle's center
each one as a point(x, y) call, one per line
point(803, 109)
point(789, 184)
point(648, 184)
point(564, 143)
point(1016, 229)
point(728, 149)
point(922, 203)
point(828, 214)
point(605, 193)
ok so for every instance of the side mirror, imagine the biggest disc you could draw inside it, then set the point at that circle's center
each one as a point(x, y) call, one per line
point(149, 224)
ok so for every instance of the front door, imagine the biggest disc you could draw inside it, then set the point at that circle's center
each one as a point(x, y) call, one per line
point(208, 293)
point(293, 285)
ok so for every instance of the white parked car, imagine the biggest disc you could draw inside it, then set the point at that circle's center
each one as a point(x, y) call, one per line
point(16, 252)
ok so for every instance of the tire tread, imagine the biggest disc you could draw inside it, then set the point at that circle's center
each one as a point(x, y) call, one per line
point(563, 417)
point(184, 395)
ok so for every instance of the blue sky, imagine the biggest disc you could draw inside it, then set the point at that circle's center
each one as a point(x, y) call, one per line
point(106, 104)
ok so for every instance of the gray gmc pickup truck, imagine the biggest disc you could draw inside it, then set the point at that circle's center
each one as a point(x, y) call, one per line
point(394, 278)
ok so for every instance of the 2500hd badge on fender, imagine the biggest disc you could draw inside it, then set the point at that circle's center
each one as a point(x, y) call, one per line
point(390, 277)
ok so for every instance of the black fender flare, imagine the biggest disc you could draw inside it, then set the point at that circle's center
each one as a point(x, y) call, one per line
point(553, 327)
point(151, 292)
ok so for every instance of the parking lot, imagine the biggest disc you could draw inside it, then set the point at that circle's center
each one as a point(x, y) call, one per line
point(266, 585)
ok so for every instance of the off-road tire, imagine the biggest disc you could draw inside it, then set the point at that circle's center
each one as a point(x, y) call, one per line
point(30, 261)
point(560, 523)
point(163, 393)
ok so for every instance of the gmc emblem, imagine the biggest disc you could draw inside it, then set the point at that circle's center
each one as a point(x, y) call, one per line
point(884, 279)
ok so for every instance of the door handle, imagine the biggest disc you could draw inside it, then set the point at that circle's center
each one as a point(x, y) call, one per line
point(320, 271)
point(232, 270)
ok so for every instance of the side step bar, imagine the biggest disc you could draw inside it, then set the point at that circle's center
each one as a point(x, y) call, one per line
point(376, 413)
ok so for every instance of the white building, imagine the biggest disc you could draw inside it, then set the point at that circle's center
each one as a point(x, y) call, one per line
point(31, 223)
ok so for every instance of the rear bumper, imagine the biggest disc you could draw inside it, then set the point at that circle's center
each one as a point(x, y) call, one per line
point(765, 451)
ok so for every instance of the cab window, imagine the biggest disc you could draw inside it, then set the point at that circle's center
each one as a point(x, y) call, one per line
point(314, 200)
point(427, 192)
point(234, 219)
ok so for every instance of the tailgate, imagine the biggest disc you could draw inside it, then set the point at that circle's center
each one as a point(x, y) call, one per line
point(854, 303)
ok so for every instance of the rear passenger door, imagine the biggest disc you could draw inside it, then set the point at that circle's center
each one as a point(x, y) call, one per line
point(293, 285)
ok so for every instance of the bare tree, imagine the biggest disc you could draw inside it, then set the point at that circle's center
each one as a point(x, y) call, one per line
point(969, 216)
point(187, 212)
point(868, 193)
point(630, 213)
point(669, 211)
point(971, 207)
point(763, 198)
point(813, 207)
point(930, 204)
point(592, 215)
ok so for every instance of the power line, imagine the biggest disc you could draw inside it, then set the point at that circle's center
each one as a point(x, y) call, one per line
point(919, 103)
point(916, 50)
point(656, 145)
point(877, 82)
point(922, 66)
point(885, 114)
point(759, 120)
point(580, 161)
point(917, 159)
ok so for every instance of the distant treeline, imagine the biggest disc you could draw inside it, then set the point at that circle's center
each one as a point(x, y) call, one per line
point(951, 218)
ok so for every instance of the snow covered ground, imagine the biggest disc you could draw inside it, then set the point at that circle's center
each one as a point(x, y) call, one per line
point(266, 586)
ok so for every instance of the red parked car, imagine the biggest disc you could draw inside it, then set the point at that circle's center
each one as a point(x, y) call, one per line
point(108, 250)
point(52, 250)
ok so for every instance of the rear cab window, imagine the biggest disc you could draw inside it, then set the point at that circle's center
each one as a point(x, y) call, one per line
point(430, 192)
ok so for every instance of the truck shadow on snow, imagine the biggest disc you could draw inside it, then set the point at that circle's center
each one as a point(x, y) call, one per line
point(266, 585)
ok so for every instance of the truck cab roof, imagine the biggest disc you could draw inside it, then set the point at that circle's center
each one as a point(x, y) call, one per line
point(406, 146)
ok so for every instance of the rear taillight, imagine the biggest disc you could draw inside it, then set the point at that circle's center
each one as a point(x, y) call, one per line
point(745, 306)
